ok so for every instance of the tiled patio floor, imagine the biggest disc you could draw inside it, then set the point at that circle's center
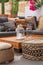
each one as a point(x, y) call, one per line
point(19, 60)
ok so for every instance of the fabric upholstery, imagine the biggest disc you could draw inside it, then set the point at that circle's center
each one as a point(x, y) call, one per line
point(1, 28)
point(40, 26)
point(31, 20)
point(3, 19)
point(10, 26)
point(39, 32)
point(10, 33)
point(4, 45)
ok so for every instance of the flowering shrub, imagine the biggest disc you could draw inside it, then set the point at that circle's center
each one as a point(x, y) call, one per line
point(35, 4)
point(32, 7)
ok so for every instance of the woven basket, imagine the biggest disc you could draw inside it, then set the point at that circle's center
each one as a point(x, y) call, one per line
point(33, 49)
point(6, 54)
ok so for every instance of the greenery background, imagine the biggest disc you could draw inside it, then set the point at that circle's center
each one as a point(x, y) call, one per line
point(3, 1)
point(14, 6)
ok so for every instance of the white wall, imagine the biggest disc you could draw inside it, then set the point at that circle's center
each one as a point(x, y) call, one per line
point(8, 7)
point(25, 11)
point(37, 13)
point(0, 8)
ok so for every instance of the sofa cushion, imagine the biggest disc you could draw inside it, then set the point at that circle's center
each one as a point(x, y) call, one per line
point(1, 28)
point(21, 17)
point(3, 19)
point(38, 32)
point(31, 20)
point(10, 33)
point(10, 26)
point(40, 26)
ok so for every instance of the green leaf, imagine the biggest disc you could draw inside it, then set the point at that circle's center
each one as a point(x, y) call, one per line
point(39, 3)
point(4, 0)
point(15, 7)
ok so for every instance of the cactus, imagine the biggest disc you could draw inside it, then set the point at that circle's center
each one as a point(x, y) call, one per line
point(3, 1)
point(14, 6)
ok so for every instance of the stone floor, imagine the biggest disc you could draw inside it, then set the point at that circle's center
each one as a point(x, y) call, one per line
point(19, 60)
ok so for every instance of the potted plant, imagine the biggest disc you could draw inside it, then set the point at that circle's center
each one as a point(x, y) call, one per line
point(3, 1)
point(14, 7)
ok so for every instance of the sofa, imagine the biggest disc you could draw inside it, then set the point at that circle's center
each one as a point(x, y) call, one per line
point(7, 28)
point(39, 28)
point(38, 32)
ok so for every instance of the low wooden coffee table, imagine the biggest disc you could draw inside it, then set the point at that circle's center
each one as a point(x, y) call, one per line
point(12, 40)
point(17, 44)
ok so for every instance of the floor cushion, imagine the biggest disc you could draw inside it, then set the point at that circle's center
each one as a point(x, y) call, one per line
point(6, 52)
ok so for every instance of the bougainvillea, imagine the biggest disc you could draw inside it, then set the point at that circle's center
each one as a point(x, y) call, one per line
point(35, 4)
point(32, 5)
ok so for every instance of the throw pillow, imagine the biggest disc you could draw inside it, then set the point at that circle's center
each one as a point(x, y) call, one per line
point(31, 20)
point(40, 26)
point(10, 26)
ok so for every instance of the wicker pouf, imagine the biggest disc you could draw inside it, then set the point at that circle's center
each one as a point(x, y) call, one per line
point(33, 49)
point(6, 52)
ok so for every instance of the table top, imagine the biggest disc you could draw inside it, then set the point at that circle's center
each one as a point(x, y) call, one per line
point(34, 41)
point(14, 39)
